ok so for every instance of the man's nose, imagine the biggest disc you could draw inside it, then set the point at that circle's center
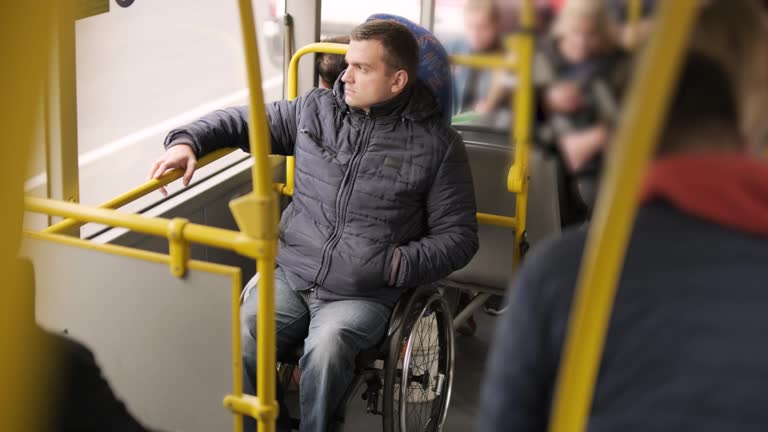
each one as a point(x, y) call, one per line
point(347, 77)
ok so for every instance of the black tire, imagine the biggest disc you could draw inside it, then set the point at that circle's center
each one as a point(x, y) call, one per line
point(420, 353)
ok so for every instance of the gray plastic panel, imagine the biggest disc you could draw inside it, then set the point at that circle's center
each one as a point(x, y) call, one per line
point(490, 157)
point(163, 343)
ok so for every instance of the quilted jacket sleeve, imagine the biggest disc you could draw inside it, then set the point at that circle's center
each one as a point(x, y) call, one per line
point(229, 128)
point(451, 241)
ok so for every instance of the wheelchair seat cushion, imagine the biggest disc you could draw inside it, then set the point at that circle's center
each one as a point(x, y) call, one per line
point(434, 67)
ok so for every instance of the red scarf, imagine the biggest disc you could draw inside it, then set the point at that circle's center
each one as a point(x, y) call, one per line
point(730, 189)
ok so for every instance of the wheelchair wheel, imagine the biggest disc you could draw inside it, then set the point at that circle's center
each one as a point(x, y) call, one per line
point(419, 368)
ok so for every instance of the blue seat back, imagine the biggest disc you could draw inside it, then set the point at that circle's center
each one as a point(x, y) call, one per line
point(434, 67)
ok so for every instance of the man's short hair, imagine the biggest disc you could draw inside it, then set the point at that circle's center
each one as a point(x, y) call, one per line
point(330, 66)
point(703, 100)
point(401, 51)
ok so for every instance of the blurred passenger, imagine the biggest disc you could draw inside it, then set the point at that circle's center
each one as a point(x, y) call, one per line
point(482, 36)
point(480, 91)
point(81, 399)
point(330, 66)
point(632, 34)
point(582, 69)
point(682, 351)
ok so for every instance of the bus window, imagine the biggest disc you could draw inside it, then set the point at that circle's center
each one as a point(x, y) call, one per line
point(339, 17)
point(145, 69)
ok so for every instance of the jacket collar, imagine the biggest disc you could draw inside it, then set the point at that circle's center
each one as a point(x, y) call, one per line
point(727, 188)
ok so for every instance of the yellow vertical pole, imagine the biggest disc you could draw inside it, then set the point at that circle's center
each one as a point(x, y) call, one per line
point(264, 228)
point(61, 108)
point(293, 89)
point(614, 216)
point(523, 103)
point(633, 21)
point(237, 353)
point(25, 36)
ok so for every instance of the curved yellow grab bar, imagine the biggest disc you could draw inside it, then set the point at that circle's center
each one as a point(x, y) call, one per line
point(293, 89)
point(139, 191)
point(317, 47)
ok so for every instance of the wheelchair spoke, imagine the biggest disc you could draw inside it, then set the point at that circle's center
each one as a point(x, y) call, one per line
point(420, 373)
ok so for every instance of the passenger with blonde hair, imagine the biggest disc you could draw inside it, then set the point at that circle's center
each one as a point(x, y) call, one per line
point(582, 69)
point(684, 350)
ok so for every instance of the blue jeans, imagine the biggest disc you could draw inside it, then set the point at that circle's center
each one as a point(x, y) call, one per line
point(333, 332)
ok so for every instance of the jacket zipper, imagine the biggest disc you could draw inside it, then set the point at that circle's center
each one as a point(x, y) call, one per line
point(342, 200)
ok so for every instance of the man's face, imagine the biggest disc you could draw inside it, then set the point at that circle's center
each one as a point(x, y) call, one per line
point(368, 80)
point(481, 30)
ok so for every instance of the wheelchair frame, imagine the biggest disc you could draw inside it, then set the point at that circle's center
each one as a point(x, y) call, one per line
point(382, 368)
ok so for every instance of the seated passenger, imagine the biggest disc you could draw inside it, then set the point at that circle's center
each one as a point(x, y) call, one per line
point(582, 70)
point(683, 349)
point(473, 87)
point(329, 66)
point(383, 202)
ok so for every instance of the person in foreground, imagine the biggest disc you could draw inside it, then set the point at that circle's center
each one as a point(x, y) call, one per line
point(682, 351)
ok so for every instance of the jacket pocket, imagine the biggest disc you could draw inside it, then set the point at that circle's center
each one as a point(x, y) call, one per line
point(285, 220)
point(391, 265)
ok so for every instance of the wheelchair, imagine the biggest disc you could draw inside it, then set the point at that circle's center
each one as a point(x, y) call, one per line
point(409, 375)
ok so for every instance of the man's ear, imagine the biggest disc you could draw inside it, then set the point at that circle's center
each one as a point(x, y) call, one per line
point(399, 81)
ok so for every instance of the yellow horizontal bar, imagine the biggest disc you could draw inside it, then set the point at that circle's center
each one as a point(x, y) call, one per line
point(201, 234)
point(140, 191)
point(498, 220)
point(485, 61)
point(251, 406)
point(230, 240)
point(134, 253)
point(154, 226)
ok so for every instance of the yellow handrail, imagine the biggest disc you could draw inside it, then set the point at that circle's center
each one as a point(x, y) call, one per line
point(140, 191)
point(523, 105)
point(485, 61)
point(615, 213)
point(492, 219)
point(155, 226)
point(633, 21)
point(257, 216)
point(317, 47)
point(293, 89)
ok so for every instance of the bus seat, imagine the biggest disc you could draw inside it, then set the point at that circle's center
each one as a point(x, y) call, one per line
point(490, 158)
point(434, 67)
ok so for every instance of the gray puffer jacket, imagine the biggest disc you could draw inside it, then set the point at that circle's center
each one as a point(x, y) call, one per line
point(383, 200)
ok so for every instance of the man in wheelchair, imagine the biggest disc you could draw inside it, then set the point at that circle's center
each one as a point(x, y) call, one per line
point(383, 201)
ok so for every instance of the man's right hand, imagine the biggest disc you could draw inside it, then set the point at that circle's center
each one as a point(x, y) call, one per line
point(179, 156)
